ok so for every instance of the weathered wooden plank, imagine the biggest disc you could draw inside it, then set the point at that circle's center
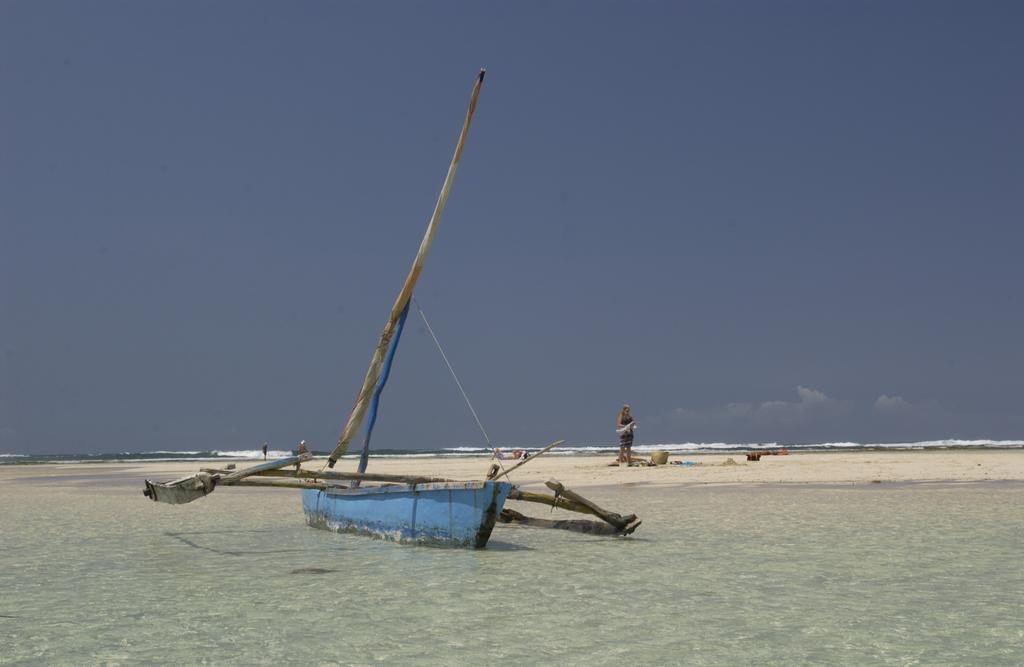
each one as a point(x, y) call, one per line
point(233, 477)
point(181, 491)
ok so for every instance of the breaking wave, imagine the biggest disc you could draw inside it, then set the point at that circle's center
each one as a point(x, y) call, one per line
point(477, 451)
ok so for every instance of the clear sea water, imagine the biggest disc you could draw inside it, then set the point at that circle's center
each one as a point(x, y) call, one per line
point(91, 572)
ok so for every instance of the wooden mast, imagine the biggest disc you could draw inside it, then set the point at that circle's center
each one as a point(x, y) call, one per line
point(355, 418)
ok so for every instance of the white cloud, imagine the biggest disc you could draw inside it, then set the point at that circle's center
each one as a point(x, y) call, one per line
point(811, 404)
point(811, 395)
point(891, 405)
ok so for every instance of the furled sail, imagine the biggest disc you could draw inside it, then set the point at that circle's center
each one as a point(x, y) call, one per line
point(369, 393)
point(371, 418)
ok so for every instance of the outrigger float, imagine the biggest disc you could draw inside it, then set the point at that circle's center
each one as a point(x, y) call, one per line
point(403, 508)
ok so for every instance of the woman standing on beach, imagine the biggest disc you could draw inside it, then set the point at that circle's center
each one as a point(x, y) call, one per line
point(624, 427)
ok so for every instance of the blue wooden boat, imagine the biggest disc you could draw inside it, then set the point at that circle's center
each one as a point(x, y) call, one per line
point(406, 509)
point(446, 513)
point(450, 514)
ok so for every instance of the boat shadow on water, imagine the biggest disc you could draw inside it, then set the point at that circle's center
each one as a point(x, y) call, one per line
point(498, 545)
point(188, 538)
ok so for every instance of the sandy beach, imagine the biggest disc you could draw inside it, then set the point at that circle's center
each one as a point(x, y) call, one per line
point(861, 467)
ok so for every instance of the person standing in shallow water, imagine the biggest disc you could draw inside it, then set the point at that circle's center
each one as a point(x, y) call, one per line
point(624, 427)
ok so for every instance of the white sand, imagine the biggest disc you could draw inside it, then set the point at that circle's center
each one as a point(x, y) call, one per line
point(862, 467)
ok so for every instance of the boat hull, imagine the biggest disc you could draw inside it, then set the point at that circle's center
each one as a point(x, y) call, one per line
point(449, 514)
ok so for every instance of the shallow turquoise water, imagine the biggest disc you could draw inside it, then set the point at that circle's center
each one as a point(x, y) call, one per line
point(92, 572)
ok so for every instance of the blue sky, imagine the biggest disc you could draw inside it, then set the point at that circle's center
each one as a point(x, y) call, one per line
point(790, 221)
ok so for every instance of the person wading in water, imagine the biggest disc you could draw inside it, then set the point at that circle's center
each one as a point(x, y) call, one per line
point(624, 426)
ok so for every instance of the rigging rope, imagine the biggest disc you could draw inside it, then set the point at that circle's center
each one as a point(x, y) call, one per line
point(447, 363)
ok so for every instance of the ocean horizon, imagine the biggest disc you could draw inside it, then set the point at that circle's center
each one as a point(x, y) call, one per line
point(477, 451)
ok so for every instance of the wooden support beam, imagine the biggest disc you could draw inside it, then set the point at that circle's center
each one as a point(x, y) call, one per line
point(551, 501)
point(333, 474)
point(623, 525)
point(576, 525)
point(616, 520)
point(234, 476)
point(285, 483)
point(191, 488)
point(364, 476)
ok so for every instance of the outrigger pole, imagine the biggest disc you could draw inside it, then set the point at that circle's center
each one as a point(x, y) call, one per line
point(281, 474)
